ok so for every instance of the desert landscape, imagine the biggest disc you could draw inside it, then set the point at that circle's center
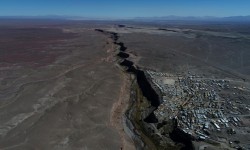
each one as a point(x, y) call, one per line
point(105, 84)
point(58, 88)
point(204, 53)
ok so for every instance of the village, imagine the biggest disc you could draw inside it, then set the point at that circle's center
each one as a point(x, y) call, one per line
point(206, 109)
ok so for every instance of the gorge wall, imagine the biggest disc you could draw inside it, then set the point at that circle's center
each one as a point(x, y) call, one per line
point(145, 98)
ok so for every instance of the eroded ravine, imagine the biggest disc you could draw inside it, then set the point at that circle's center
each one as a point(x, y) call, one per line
point(124, 123)
point(138, 78)
point(144, 99)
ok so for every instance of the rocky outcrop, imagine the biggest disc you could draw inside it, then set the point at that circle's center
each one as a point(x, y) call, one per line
point(147, 89)
point(122, 47)
point(123, 55)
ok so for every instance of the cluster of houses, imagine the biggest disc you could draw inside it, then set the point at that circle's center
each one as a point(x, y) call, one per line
point(196, 103)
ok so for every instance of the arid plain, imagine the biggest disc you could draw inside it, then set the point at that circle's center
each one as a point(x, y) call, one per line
point(58, 87)
point(69, 84)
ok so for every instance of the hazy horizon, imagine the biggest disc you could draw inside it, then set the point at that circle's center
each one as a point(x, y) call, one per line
point(125, 9)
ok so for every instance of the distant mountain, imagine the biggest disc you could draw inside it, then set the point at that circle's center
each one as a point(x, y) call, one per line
point(33, 17)
point(191, 18)
point(237, 18)
point(146, 19)
point(57, 17)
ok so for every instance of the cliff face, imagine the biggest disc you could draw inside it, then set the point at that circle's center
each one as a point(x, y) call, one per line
point(149, 133)
point(123, 55)
point(179, 136)
point(147, 89)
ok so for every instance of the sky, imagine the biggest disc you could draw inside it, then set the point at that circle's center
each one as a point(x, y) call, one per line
point(125, 8)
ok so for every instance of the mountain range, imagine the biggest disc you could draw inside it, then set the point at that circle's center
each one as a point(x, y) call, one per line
point(163, 18)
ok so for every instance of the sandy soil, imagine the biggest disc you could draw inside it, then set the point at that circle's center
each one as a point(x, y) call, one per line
point(66, 103)
point(189, 50)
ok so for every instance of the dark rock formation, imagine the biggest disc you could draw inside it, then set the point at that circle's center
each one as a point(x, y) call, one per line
point(126, 63)
point(178, 136)
point(146, 88)
point(122, 47)
point(123, 55)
